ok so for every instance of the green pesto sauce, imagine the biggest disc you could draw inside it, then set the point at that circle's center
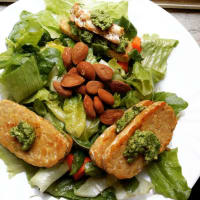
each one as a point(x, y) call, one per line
point(24, 134)
point(142, 143)
point(128, 116)
point(101, 19)
point(121, 47)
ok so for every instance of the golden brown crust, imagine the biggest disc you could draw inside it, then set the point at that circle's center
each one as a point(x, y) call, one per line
point(160, 119)
point(65, 28)
point(98, 149)
point(50, 145)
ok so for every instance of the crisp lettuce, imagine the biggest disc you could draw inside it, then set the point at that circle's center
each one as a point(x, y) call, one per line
point(155, 52)
point(177, 103)
point(23, 81)
point(166, 176)
point(75, 121)
point(141, 79)
point(46, 176)
point(16, 165)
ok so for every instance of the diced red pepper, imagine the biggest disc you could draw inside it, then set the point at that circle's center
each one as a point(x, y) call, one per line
point(136, 44)
point(81, 171)
point(124, 65)
point(70, 158)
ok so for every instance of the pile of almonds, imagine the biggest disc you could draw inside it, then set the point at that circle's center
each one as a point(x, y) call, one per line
point(90, 80)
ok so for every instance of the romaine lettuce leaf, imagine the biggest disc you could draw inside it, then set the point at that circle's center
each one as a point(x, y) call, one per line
point(177, 103)
point(75, 121)
point(23, 81)
point(141, 79)
point(16, 165)
point(47, 59)
point(26, 32)
point(91, 128)
point(155, 52)
point(166, 176)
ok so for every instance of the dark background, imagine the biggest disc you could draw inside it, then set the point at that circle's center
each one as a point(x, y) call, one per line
point(195, 195)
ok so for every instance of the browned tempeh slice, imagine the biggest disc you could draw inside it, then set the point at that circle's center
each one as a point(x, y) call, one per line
point(98, 149)
point(49, 147)
point(160, 119)
point(123, 57)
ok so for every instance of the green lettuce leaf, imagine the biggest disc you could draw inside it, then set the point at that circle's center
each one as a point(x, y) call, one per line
point(91, 128)
point(141, 79)
point(16, 165)
point(119, 74)
point(75, 122)
point(27, 31)
point(23, 81)
point(129, 29)
point(177, 103)
point(155, 52)
point(47, 59)
point(91, 57)
point(167, 178)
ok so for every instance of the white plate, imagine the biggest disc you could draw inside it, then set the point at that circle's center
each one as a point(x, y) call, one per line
point(182, 78)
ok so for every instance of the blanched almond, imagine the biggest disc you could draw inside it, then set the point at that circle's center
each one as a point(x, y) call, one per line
point(98, 105)
point(89, 107)
point(103, 72)
point(119, 86)
point(92, 87)
point(71, 80)
point(110, 116)
point(81, 89)
point(106, 96)
point(79, 52)
point(62, 91)
point(67, 56)
point(86, 70)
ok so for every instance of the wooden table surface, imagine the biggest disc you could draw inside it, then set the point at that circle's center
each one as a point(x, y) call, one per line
point(191, 21)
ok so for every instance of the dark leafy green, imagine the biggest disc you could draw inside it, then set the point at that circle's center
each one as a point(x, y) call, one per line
point(135, 56)
point(177, 103)
point(129, 29)
point(93, 170)
point(39, 107)
point(65, 187)
point(48, 58)
point(166, 176)
point(78, 160)
point(130, 185)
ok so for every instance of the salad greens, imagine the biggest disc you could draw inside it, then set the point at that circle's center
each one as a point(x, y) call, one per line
point(167, 178)
point(33, 61)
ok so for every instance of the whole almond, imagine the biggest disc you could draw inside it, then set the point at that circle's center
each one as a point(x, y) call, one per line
point(62, 91)
point(106, 96)
point(71, 80)
point(119, 86)
point(73, 70)
point(81, 89)
point(67, 56)
point(98, 105)
point(79, 52)
point(89, 107)
point(92, 87)
point(110, 116)
point(103, 72)
point(86, 70)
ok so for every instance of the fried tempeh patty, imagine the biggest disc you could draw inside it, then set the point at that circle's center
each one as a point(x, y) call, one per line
point(99, 147)
point(158, 118)
point(49, 147)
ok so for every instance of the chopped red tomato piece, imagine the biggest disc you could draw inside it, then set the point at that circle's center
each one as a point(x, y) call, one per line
point(136, 44)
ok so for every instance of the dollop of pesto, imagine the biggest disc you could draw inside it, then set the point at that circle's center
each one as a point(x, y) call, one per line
point(24, 134)
point(128, 116)
point(142, 142)
point(101, 19)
